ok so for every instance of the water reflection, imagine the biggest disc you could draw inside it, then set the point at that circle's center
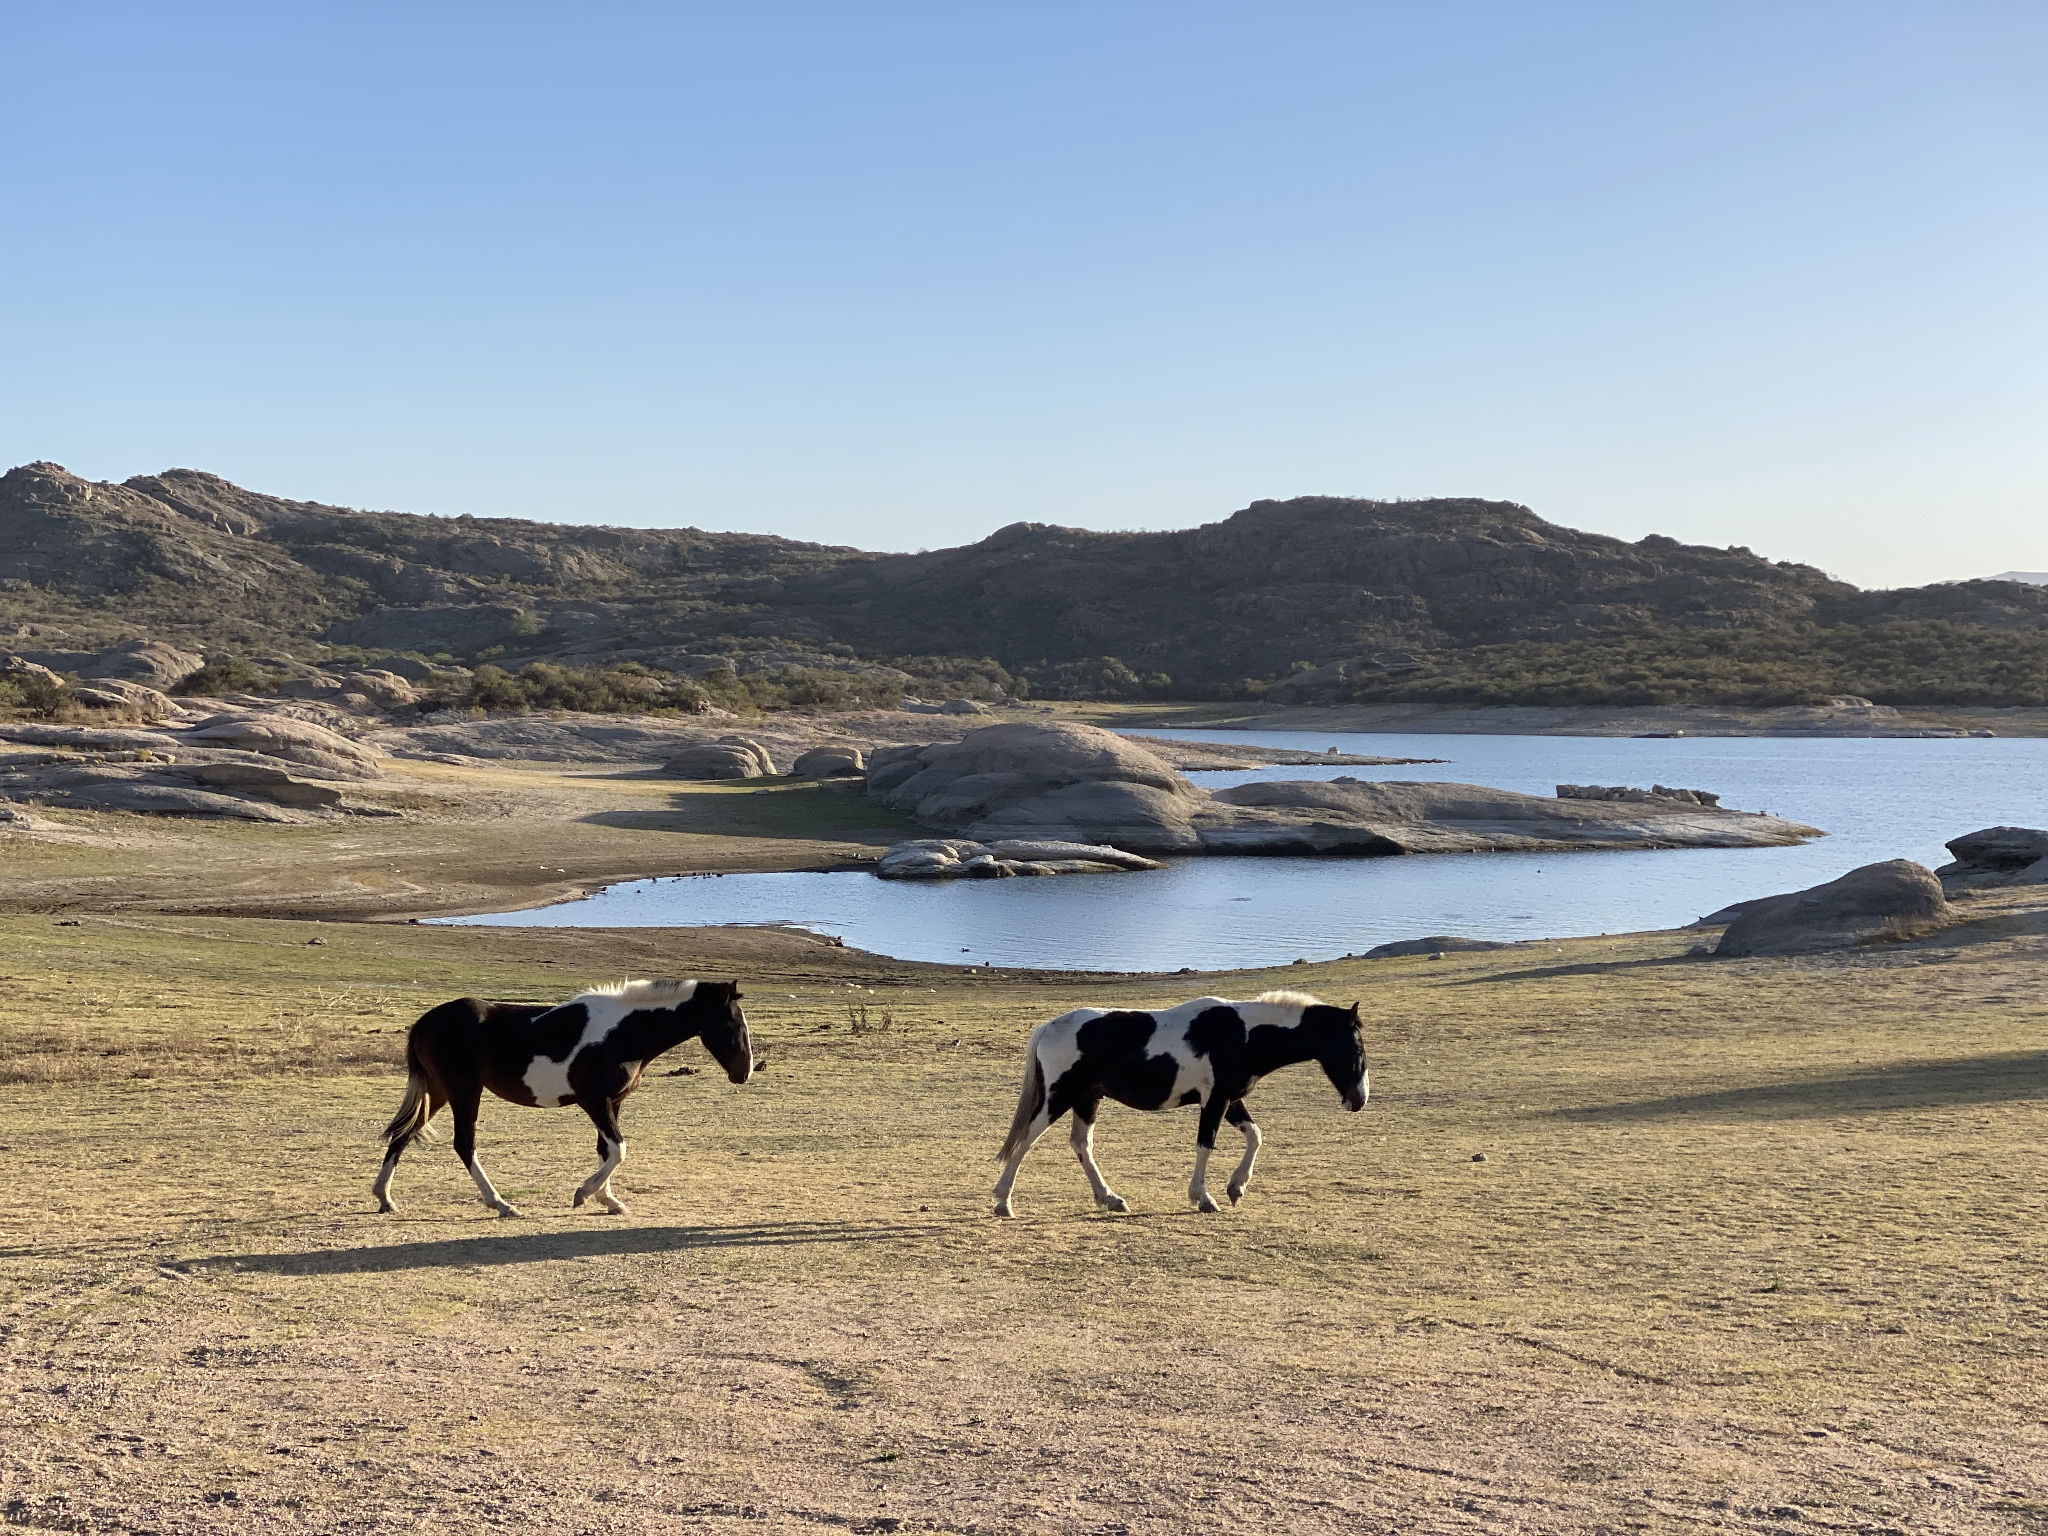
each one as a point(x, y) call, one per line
point(1878, 799)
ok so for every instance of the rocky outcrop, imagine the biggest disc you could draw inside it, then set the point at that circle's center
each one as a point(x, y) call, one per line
point(149, 662)
point(1996, 856)
point(946, 858)
point(1638, 796)
point(830, 762)
point(1437, 946)
point(1356, 816)
point(730, 757)
point(1073, 783)
point(1897, 899)
point(119, 693)
point(157, 789)
point(1058, 782)
point(318, 752)
point(386, 690)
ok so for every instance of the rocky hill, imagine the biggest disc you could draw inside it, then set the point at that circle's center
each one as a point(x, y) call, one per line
point(1321, 596)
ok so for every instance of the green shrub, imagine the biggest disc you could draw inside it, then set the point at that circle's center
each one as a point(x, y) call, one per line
point(227, 674)
point(625, 689)
point(28, 693)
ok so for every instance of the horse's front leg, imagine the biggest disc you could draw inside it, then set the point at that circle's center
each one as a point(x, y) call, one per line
point(1241, 1180)
point(465, 1101)
point(1205, 1143)
point(1082, 1138)
point(611, 1151)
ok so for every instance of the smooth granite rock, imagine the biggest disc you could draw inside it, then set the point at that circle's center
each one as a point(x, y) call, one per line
point(1064, 782)
point(1896, 899)
point(946, 858)
point(830, 762)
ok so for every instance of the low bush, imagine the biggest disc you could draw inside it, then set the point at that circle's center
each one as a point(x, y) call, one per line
point(29, 693)
point(227, 674)
point(634, 689)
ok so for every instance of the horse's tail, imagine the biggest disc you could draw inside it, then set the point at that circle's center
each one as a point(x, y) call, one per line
point(412, 1122)
point(1030, 1099)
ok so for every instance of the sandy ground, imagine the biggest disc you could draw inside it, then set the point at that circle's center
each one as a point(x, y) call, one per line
point(1754, 1245)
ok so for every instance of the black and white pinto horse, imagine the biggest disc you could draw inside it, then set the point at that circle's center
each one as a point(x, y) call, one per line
point(589, 1051)
point(1208, 1052)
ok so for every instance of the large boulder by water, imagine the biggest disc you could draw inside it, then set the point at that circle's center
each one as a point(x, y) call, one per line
point(1348, 815)
point(948, 858)
point(1055, 781)
point(1897, 899)
point(1623, 792)
point(1996, 856)
point(1074, 783)
point(1436, 944)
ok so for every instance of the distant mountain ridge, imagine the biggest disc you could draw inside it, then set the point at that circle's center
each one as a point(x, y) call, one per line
point(1363, 594)
point(2031, 578)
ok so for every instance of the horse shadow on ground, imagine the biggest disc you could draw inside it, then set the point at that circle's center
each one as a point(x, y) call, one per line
point(1906, 1085)
point(540, 1247)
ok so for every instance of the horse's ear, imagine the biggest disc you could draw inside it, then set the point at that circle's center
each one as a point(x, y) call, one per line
point(1354, 1012)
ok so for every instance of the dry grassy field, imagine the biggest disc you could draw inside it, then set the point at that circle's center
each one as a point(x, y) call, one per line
point(1754, 1246)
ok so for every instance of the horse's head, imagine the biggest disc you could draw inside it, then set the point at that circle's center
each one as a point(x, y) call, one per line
point(1342, 1052)
point(724, 1030)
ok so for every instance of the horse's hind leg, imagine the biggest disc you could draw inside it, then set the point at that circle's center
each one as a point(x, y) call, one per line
point(466, 1100)
point(1040, 1123)
point(611, 1151)
point(1082, 1137)
point(382, 1188)
point(1241, 1180)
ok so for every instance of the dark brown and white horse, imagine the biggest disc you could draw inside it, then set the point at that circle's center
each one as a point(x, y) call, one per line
point(589, 1051)
point(1208, 1052)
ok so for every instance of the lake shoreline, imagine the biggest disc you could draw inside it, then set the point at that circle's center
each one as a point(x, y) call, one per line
point(1816, 722)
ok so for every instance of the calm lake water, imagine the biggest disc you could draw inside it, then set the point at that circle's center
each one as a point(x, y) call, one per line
point(1877, 799)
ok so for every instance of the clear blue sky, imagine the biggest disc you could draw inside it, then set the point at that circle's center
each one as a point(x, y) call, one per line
point(895, 275)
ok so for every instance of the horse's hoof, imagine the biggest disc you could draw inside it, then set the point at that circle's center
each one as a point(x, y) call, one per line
point(581, 1196)
point(613, 1208)
point(507, 1212)
point(1003, 1208)
point(385, 1208)
point(1207, 1206)
point(1116, 1203)
point(1236, 1193)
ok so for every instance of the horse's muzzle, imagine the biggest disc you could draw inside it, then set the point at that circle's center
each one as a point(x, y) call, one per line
point(1354, 1101)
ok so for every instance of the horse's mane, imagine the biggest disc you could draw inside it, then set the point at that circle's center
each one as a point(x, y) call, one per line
point(1290, 999)
point(641, 994)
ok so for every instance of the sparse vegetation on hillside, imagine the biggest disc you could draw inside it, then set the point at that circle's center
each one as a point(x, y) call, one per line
point(1928, 662)
point(1497, 604)
point(631, 688)
point(227, 674)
